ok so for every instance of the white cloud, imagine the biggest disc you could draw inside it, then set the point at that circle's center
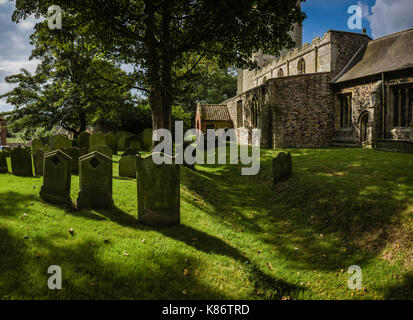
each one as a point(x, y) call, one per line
point(3, 1)
point(389, 16)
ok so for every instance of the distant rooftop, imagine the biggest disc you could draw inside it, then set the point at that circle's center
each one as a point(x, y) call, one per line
point(214, 112)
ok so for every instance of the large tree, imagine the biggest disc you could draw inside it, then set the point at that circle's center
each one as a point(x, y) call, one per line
point(71, 84)
point(160, 37)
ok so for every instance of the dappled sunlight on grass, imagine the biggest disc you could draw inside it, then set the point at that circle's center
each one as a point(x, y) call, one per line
point(240, 236)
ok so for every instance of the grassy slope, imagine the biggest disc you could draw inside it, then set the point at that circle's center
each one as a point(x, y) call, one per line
point(240, 238)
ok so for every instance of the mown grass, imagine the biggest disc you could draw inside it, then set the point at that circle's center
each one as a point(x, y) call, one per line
point(240, 236)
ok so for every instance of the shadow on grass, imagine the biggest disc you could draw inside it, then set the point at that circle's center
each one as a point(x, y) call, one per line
point(402, 290)
point(11, 201)
point(333, 212)
point(89, 275)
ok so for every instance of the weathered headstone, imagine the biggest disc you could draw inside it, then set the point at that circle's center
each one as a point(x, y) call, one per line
point(134, 142)
point(282, 166)
point(112, 142)
point(60, 141)
point(36, 144)
point(95, 181)
point(57, 178)
point(74, 153)
point(83, 140)
point(102, 148)
point(38, 156)
point(130, 152)
point(96, 139)
point(21, 162)
point(146, 137)
point(3, 162)
point(123, 137)
point(127, 166)
point(158, 192)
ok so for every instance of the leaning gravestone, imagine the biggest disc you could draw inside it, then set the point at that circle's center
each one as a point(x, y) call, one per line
point(95, 181)
point(158, 192)
point(3, 162)
point(282, 166)
point(112, 142)
point(74, 153)
point(102, 148)
point(96, 139)
point(21, 162)
point(127, 166)
point(36, 144)
point(83, 140)
point(57, 177)
point(146, 139)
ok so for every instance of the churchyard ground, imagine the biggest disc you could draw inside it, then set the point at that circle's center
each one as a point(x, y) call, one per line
point(240, 237)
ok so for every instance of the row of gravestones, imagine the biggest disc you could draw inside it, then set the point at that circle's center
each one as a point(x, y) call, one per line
point(115, 141)
point(158, 186)
point(21, 160)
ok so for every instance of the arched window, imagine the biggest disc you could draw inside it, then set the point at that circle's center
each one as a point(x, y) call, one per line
point(254, 112)
point(280, 73)
point(301, 66)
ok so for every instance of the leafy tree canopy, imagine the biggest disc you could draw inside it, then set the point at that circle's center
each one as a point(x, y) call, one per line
point(71, 84)
point(160, 37)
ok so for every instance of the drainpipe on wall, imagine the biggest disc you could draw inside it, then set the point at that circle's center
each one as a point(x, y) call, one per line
point(383, 107)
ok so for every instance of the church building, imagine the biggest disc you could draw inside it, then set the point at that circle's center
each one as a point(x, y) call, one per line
point(343, 89)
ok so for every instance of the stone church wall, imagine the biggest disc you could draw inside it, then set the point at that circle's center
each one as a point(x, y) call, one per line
point(302, 110)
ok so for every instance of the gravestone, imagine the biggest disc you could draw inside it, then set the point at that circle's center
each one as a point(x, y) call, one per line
point(127, 166)
point(134, 142)
point(95, 181)
point(102, 148)
point(83, 140)
point(21, 162)
point(57, 177)
point(38, 156)
point(130, 152)
point(36, 144)
point(60, 141)
point(3, 162)
point(282, 167)
point(123, 137)
point(146, 139)
point(112, 142)
point(74, 153)
point(158, 192)
point(96, 139)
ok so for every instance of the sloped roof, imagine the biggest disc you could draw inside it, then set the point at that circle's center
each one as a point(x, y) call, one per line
point(214, 112)
point(390, 53)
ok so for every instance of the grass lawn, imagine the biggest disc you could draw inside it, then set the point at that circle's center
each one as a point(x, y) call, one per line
point(240, 237)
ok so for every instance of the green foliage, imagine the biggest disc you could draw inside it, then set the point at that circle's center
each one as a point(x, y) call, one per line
point(165, 41)
point(133, 118)
point(179, 114)
point(70, 85)
point(208, 84)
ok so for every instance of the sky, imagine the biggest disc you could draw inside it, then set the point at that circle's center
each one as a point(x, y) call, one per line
point(379, 17)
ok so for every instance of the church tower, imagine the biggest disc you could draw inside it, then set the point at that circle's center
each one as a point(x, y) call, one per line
point(243, 82)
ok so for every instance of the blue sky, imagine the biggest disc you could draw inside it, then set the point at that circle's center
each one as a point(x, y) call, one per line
point(380, 18)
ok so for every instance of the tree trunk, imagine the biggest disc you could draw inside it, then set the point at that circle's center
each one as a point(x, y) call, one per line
point(159, 73)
